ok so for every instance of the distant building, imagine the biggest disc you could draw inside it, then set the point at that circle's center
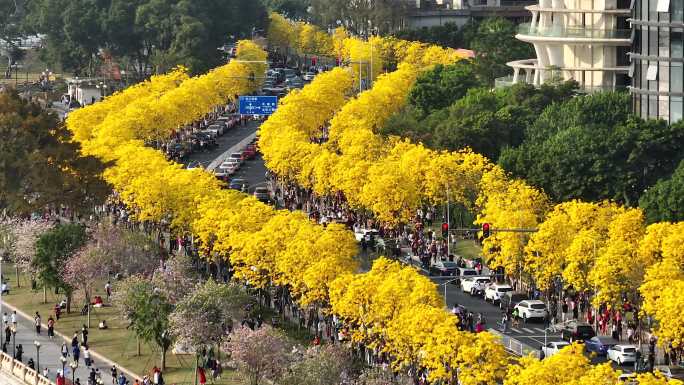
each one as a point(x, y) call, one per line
point(587, 41)
point(657, 59)
point(439, 12)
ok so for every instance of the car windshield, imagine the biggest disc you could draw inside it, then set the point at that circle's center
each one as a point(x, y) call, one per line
point(469, 272)
point(261, 190)
point(449, 265)
point(504, 289)
point(538, 306)
point(629, 350)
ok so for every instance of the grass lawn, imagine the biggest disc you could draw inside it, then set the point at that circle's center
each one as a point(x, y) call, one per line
point(467, 248)
point(115, 343)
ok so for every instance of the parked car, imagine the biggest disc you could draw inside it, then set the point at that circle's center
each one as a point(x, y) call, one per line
point(249, 152)
point(529, 309)
point(494, 291)
point(510, 299)
point(464, 272)
point(621, 354)
point(238, 184)
point(596, 345)
point(443, 268)
point(230, 166)
point(309, 76)
point(552, 348)
point(217, 128)
point(474, 285)
point(237, 156)
point(664, 370)
point(262, 194)
point(577, 331)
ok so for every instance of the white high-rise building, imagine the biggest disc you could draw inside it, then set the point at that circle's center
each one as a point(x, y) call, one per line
point(584, 40)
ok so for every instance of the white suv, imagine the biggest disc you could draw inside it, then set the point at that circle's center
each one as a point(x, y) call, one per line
point(531, 309)
point(494, 291)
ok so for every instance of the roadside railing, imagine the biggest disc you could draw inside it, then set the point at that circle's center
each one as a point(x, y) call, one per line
point(21, 372)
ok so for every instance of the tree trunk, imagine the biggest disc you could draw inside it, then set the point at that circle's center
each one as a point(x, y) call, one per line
point(68, 304)
point(196, 366)
point(138, 344)
point(44, 294)
point(16, 269)
point(87, 295)
point(163, 359)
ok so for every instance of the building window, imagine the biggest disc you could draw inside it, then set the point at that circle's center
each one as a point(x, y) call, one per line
point(677, 50)
point(677, 10)
point(652, 72)
point(676, 108)
point(676, 77)
point(663, 6)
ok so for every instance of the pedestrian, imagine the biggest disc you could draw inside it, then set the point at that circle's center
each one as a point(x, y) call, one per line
point(51, 327)
point(46, 372)
point(84, 335)
point(91, 377)
point(108, 290)
point(14, 318)
point(122, 379)
point(31, 364)
point(19, 352)
point(37, 323)
point(113, 372)
point(65, 350)
point(58, 311)
point(8, 334)
point(86, 355)
point(564, 310)
point(60, 379)
point(202, 376)
point(4, 319)
point(76, 353)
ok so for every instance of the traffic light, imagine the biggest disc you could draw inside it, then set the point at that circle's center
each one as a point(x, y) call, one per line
point(486, 227)
point(445, 230)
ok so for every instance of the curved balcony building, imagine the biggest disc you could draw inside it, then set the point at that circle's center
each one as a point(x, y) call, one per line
point(584, 40)
point(657, 59)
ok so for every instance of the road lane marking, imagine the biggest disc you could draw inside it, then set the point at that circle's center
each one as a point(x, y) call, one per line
point(528, 330)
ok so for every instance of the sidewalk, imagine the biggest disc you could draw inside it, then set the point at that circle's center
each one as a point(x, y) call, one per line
point(50, 351)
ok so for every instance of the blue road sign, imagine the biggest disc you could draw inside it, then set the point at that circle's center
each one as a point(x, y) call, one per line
point(258, 105)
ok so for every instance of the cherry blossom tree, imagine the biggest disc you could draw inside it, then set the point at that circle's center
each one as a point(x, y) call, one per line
point(204, 316)
point(86, 268)
point(21, 236)
point(261, 354)
point(321, 365)
point(176, 277)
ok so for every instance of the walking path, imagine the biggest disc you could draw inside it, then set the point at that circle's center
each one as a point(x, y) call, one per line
point(50, 351)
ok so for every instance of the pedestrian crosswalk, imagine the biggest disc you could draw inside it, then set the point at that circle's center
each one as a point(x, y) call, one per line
point(527, 330)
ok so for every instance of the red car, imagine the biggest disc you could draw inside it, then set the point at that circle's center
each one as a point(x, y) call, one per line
point(248, 153)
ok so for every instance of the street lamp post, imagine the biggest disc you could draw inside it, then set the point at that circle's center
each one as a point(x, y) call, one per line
point(14, 341)
point(445, 289)
point(37, 343)
point(73, 366)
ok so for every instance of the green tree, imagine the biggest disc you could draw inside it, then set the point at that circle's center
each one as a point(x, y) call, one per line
point(442, 86)
point(665, 200)
point(447, 35)
point(495, 45)
point(53, 250)
point(147, 311)
point(81, 34)
point(591, 148)
point(484, 120)
point(292, 9)
point(40, 165)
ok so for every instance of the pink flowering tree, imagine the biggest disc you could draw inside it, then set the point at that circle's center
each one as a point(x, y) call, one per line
point(131, 251)
point(176, 278)
point(261, 355)
point(19, 241)
point(321, 365)
point(85, 268)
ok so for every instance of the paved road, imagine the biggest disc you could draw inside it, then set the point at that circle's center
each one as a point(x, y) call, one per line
point(229, 139)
